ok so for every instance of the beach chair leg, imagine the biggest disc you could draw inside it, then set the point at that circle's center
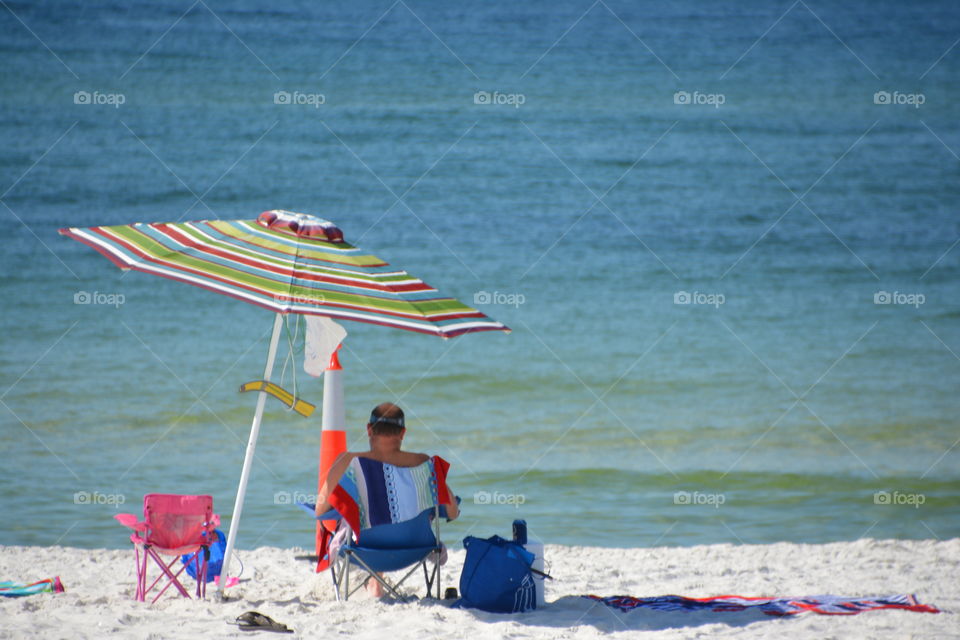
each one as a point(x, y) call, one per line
point(341, 579)
point(172, 578)
point(386, 585)
point(427, 578)
point(396, 585)
point(333, 576)
point(431, 577)
point(146, 562)
point(436, 531)
point(136, 560)
point(147, 589)
point(141, 559)
point(202, 573)
point(196, 568)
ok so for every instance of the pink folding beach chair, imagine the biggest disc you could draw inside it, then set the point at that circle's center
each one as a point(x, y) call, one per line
point(172, 525)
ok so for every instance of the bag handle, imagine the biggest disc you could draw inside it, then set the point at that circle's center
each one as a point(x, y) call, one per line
point(541, 573)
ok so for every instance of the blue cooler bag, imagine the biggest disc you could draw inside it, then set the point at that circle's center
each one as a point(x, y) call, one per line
point(496, 576)
point(214, 564)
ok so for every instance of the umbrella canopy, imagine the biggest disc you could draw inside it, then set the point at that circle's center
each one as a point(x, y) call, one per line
point(289, 263)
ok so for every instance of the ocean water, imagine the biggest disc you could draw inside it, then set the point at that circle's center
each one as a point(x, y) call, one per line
point(580, 171)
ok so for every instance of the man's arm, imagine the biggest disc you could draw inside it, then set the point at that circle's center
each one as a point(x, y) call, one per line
point(337, 469)
point(452, 509)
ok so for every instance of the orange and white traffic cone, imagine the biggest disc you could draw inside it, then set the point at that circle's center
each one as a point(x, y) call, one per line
point(333, 442)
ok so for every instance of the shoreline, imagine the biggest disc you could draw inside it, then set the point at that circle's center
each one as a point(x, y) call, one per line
point(281, 584)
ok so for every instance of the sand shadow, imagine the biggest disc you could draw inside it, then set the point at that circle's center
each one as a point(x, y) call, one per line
point(576, 611)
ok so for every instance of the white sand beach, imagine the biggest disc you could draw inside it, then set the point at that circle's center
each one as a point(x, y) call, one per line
point(99, 585)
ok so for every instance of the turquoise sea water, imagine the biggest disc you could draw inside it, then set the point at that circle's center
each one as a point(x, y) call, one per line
point(783, 164)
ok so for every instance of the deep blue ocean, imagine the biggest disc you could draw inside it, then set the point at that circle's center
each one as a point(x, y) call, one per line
point(725, 236)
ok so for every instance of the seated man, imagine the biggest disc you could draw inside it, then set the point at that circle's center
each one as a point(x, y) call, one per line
point(385, 430)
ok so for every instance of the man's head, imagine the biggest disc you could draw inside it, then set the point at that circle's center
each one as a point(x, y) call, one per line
point(386, 420)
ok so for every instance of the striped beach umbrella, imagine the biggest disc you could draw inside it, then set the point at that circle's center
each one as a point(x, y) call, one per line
point(289, 263)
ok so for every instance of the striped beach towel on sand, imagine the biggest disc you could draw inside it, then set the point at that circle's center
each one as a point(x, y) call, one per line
point(17, 589)
point(824, 605)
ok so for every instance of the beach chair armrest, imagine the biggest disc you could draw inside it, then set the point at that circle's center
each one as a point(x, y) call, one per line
point(215, 521)
point(130, 520)
point(312, 510)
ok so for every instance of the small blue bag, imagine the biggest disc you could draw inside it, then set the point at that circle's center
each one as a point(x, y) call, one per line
point(496, 576)
point(214, 564)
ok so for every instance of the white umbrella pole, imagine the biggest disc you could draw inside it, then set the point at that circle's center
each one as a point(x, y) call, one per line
point(248, 459)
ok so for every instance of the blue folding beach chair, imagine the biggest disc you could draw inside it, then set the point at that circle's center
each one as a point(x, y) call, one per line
point(397, 513)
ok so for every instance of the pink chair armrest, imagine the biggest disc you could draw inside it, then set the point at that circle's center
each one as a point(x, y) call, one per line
point(130, 520)
point(215, 521)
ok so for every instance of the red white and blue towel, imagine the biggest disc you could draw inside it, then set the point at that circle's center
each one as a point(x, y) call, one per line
point(825, 605)
point(372, 493)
